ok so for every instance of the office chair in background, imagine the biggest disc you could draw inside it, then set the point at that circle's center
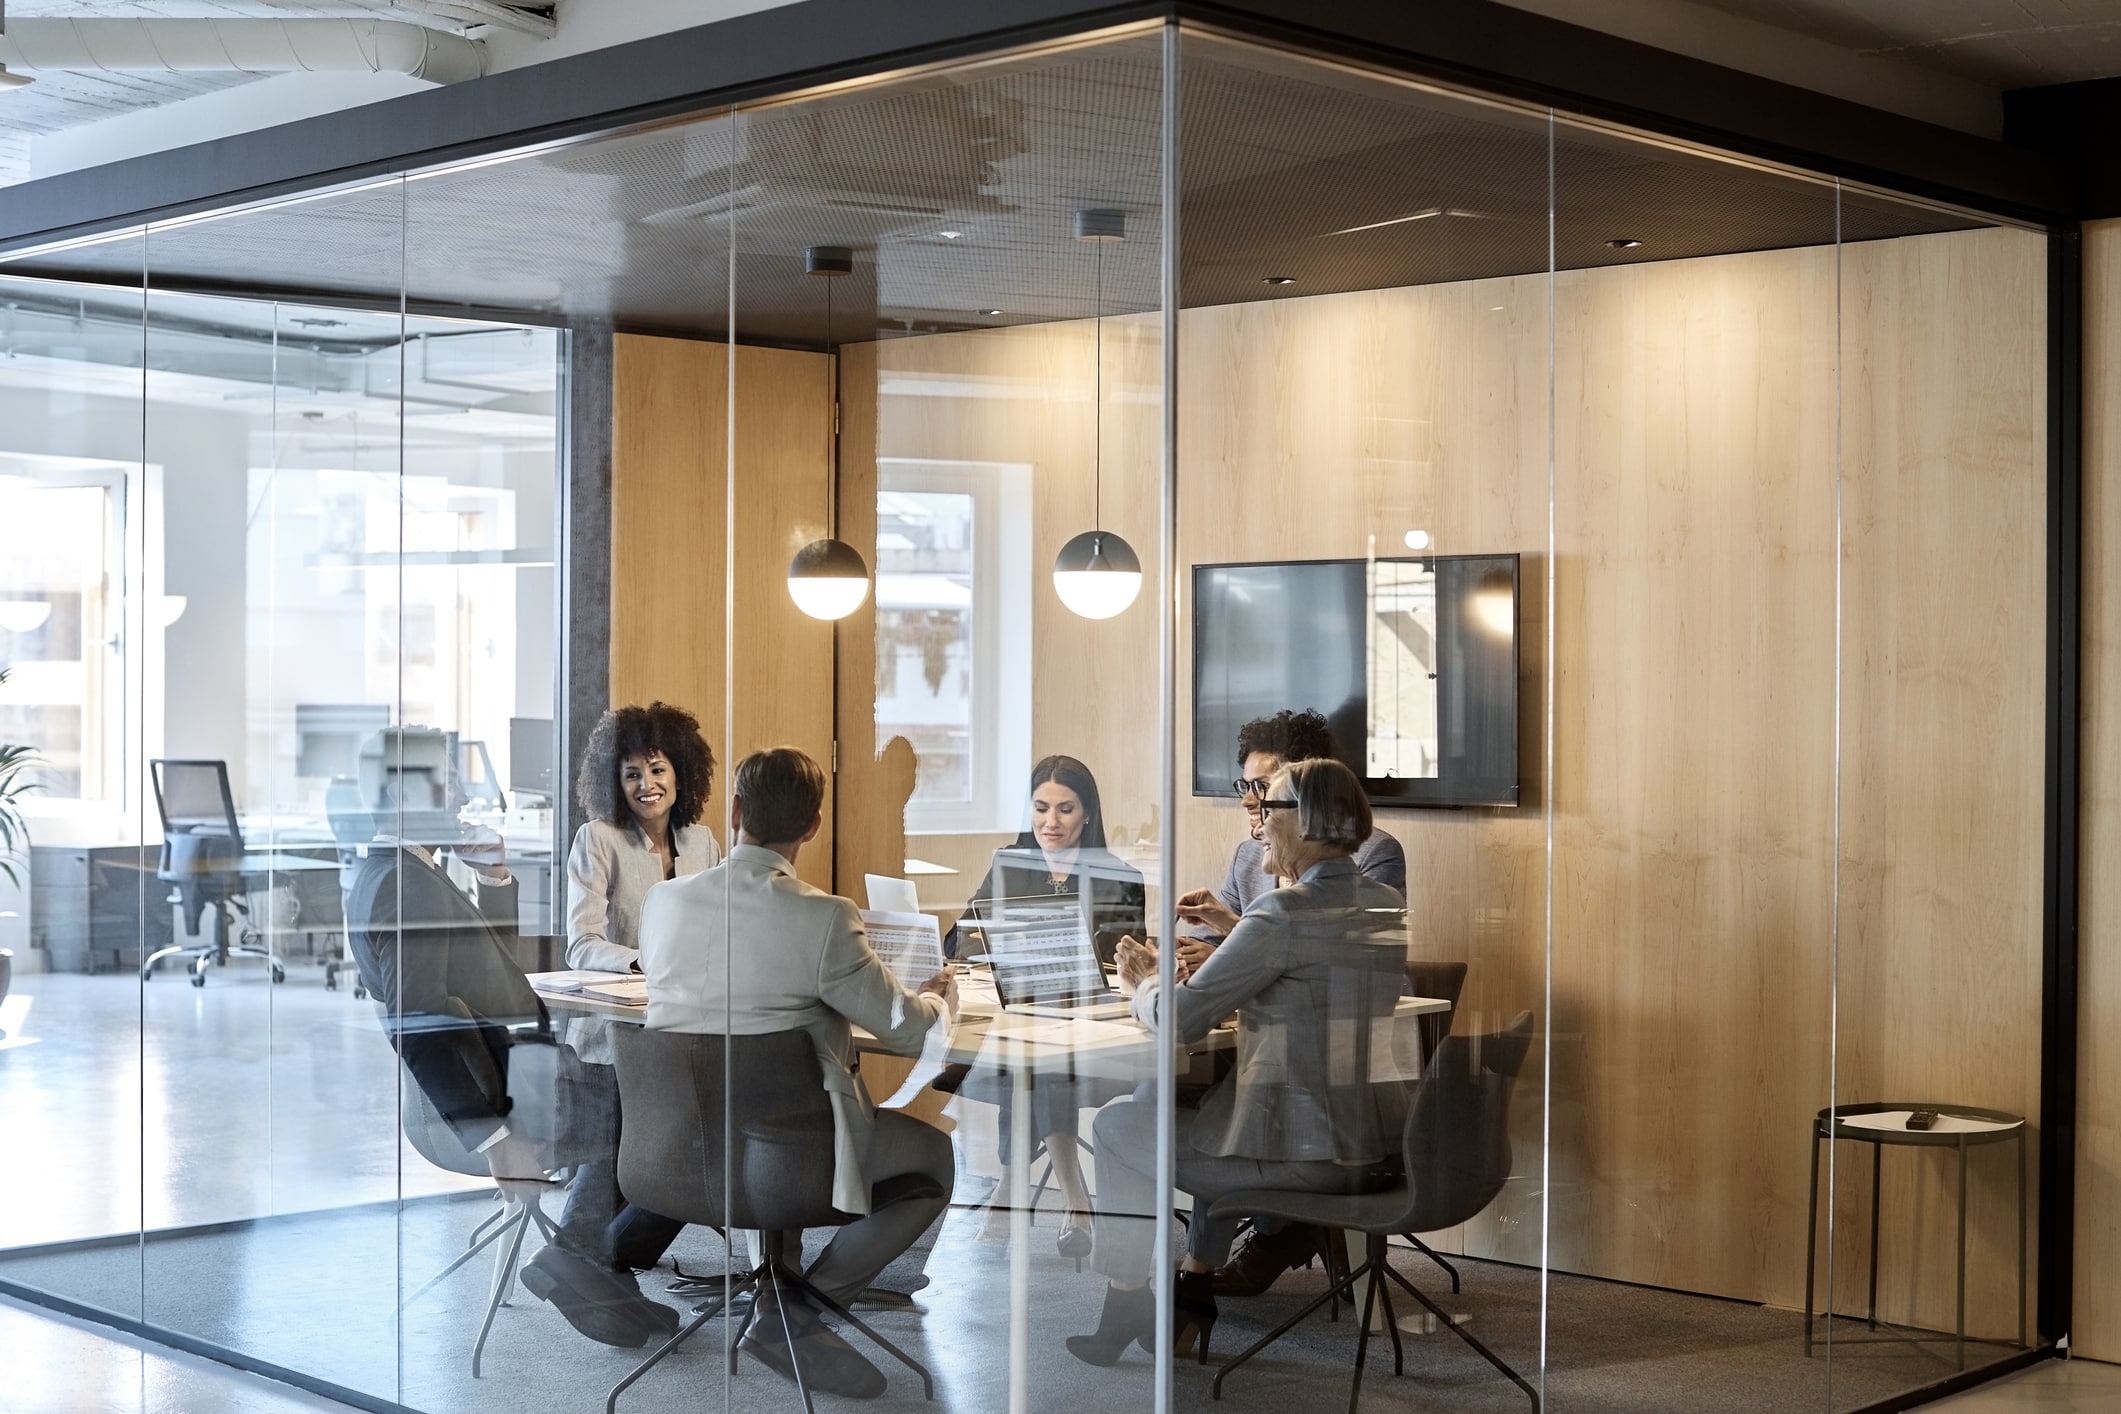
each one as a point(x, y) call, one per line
point(202, 855)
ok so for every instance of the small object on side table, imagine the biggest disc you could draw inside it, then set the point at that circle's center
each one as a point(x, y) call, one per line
point(1921, 1119)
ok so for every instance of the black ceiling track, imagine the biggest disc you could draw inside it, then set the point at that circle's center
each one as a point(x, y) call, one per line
point(1475, 43)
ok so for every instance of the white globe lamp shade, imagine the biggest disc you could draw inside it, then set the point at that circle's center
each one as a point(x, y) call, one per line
point(828, 579)
point(1097, 574)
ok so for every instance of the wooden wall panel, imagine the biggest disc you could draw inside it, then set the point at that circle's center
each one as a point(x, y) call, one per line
point(1943, 624)
point(1693, 786)
point(1694, 692)
point(2097, 1331)
point(671, 585)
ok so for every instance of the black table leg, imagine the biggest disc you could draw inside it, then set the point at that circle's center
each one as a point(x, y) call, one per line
point(1962, 1253)
point(2021, 1236)
point(1870, 1315)
point(1811, 1241)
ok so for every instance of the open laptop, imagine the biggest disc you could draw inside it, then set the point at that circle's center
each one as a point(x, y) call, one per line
point(1044, 960)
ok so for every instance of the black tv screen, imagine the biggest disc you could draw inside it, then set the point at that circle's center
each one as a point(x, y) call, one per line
point(1412, 662)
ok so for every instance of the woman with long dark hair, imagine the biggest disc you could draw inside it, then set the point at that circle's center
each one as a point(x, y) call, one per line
point(1059, 859)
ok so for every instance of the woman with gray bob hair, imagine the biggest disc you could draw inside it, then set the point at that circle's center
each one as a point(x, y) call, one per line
point(1332, 809)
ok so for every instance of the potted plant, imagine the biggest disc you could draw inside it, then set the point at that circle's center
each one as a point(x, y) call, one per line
point(16, 781)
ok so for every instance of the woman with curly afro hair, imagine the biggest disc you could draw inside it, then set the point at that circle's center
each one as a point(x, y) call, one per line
point(645, 783)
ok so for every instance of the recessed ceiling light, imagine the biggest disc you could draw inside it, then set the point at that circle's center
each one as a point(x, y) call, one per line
point(1623, 243)
point(1279, 280)
point(990, 311)
point(1494, 309)
point(951, 235)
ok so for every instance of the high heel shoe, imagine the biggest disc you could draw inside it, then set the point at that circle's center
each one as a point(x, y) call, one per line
point(1073, 1242)
point(1128, 1316)
point(1193, 1313)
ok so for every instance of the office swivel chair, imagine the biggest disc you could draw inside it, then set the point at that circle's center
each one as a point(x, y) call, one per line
point(353, 828)
point(202, 855)
point(682, 1094)
point(434, 1141)
point(1455, 1152)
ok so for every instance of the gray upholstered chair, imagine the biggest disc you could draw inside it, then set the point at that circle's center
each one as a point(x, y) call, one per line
point(433, 1139)
point(1444, 981)
point(1456, 1149)
point(688, 1098)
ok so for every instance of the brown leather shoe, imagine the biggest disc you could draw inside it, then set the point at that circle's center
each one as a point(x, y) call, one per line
point(1259, 1263)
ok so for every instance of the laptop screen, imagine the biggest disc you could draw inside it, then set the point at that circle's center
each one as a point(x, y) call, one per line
point(1043, 961)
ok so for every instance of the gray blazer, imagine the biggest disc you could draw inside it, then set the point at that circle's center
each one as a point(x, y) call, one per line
point(1313, 972)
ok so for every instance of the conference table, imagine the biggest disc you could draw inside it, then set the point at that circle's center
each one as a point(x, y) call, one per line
point(1022, 1044)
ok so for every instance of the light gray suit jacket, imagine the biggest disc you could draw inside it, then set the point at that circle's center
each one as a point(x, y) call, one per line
point(746, 949)
point(1313, 972)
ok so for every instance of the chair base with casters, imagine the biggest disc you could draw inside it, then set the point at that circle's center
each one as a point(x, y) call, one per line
point(506, 1227)
point(1376, 1267)
point(778, 1274)
point(216, 950)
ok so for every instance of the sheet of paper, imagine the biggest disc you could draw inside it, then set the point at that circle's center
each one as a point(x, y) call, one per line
point(935, 1050)
point(889, 895)
point(1079, 1033)
point(627, 991)
point(575, 981)
point(911, 944)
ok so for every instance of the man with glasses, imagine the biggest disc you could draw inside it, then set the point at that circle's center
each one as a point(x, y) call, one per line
point(1264, 746)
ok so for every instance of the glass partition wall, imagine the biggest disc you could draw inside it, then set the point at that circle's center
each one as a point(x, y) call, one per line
point(1655, 541)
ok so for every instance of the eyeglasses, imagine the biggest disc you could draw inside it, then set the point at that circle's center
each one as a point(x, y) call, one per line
point(1245, 788)
point(1268, 807)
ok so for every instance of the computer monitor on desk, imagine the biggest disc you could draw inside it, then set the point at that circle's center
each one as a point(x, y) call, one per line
point(328, 736)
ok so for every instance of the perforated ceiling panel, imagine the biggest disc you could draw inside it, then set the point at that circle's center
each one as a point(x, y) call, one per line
point(958, 191)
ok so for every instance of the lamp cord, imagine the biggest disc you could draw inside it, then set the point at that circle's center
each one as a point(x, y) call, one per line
point(1097, 409)
point(832, 390)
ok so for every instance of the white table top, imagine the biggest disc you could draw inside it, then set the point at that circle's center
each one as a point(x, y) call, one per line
point(1895, 1121)
point(984, 1029)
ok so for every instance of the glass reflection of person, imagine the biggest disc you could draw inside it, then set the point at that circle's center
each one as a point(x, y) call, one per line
point(460, 1014)
point(645, 783)
point(1313, 971)
point(1054, 861)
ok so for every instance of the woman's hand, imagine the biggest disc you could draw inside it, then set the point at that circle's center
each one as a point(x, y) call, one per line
point(1136, 962)
point(1203, 907)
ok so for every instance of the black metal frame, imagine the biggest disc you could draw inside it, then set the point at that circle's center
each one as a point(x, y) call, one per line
point(2065, 585)
point(1481, 44)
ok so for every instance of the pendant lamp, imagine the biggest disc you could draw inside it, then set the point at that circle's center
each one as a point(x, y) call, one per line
point(1097, 573)
point(828, 579)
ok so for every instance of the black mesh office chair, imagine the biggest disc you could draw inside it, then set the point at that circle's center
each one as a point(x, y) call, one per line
point(202, 855)
point(1456, 1152)
point(682, 1094)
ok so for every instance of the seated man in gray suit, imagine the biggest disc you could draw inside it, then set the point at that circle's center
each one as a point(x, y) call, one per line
point(746, 948)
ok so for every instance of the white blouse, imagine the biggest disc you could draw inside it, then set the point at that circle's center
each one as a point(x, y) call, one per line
point(610, 870)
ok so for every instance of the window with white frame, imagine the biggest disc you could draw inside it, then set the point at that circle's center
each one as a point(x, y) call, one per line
point(953, 637)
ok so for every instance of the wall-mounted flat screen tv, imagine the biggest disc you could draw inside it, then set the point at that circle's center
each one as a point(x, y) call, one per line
point(1412, 662)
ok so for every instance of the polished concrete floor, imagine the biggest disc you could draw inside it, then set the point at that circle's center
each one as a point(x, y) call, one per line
point(2056, 1387)
point(286, 1218)
point(56, 1365)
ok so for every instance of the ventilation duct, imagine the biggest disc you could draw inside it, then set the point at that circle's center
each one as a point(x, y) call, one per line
point(239, 47)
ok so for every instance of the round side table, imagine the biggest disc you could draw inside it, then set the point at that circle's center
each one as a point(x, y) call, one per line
point(1960, 1127)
